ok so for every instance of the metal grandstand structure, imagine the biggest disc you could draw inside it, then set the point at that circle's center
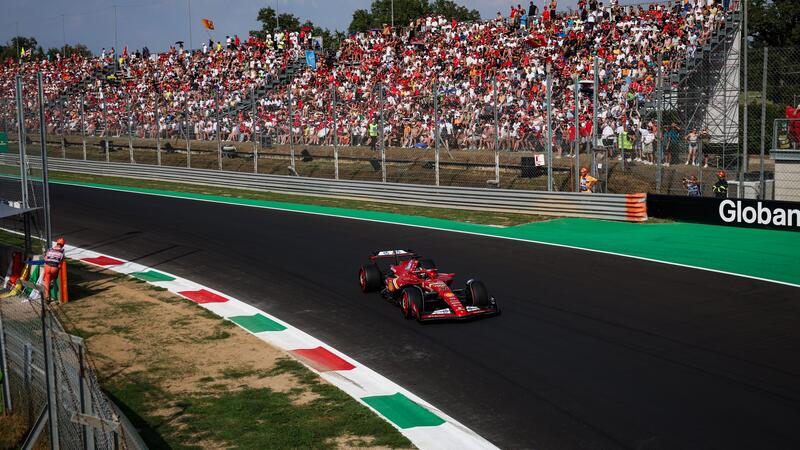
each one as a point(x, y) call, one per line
point(705, 92)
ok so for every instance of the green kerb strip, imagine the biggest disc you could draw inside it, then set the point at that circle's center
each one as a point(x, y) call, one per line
point(403, 412)
point(257, 323)
point(151, 276)
point(768, 254)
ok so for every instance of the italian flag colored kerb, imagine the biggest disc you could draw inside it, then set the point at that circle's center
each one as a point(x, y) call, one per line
point(422, 423)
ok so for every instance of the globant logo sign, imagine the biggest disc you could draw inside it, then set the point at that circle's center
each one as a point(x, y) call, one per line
point(730, 211)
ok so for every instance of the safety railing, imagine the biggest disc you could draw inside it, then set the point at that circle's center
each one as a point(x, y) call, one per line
point(631, 207)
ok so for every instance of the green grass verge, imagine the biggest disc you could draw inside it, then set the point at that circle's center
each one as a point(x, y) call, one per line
point(250, 418)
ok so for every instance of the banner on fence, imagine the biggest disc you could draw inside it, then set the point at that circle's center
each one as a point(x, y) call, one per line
point(311, 59)
point(735, 212)
point(3, 142)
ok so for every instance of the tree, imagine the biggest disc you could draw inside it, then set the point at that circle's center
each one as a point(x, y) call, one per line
point(77, 49)
point(452, 10)
point(290, 22)
point(405, 11)
point(13, 47)
point(774, 23)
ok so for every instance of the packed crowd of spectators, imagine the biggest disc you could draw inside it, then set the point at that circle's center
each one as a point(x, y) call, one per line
point(391, 77)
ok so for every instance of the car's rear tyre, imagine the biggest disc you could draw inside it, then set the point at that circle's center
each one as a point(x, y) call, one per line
point(412, 295)
point(477, 295)
point(370, 278)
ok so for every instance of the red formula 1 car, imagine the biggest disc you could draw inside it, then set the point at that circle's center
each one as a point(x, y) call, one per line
point(415, 284)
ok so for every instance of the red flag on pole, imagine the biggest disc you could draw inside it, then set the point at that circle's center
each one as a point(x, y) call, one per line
point(208, 24)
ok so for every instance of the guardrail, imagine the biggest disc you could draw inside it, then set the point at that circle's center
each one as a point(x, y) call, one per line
point(631, 207)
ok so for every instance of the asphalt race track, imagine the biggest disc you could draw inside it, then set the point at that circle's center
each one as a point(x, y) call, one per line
point(591, 351)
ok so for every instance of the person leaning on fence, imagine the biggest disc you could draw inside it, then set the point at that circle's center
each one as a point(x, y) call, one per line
point(692, 186)
point(52, 264)
point(721, 186)
point(587, 181)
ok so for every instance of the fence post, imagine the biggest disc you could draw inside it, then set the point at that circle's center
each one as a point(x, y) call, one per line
point(335, 134)
point(158, 133)
point(50, 377)
point(27, 376)
point(745, 122)
point(85, 399)
point(106, 131)
point(549, 143)
point(217, 109)
point(762, 183)
point(380, 133)
point(659, 124)
point(596, 86)
point(23, 159)
point(436, 128)
point(45, 185)
point(83, 127)
point(188, 125)
point(255, 133)
point(577, 135)
point(496, 133)
point(63, 132)
point(130, 129)
point(291, 131)
point(4, 368)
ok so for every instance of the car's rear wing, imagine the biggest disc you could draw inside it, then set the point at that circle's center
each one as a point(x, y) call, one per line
point(392, 254)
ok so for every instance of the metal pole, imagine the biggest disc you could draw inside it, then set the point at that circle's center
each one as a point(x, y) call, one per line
point(22, 157)
point(64, 35)
point(82, 393)
point(115, 37)
point(45, 184)
point(63, 136)
point(130, 130)
point(187, 126)
point(743, 166)
point(496, 134)
point(158, 134)
point(4, 368)
point(83, 128)
point(50, 377)
point(436, 128)
point(291, 132)
point(255, 140)
point(577, 136)
point(596, 84)
point(763, 124)
point(549, 143)
point(106, 131)
point(335, 135)
point(189, 17)
point(659, 119)
point(219, 130)
point(380, 134)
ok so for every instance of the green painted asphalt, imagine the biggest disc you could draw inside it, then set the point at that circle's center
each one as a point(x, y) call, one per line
point(768, 254)
point(402, 411)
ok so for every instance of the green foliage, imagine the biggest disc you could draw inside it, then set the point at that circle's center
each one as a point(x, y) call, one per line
point(12, 48)
point(774, 23)
point(290, 22)
point(407, 10)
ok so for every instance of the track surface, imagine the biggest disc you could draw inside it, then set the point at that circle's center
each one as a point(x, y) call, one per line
point(591, 351)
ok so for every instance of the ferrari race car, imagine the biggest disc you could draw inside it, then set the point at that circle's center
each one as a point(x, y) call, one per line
point(415, 284)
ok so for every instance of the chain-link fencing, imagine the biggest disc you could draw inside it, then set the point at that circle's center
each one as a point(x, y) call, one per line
point(49, 383)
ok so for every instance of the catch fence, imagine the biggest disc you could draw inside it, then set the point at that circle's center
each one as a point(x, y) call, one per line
point(693, 124)
point(49, 382)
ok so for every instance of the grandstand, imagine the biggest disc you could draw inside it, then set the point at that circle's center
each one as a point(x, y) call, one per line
point(471, 68)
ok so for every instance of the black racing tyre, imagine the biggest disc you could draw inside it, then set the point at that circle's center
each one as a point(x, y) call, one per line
point(477, 295)
point(416, 303)
point(406, 302)
point(370, 278)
